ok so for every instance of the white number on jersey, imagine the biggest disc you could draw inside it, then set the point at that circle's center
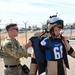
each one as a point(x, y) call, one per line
point(58, 52)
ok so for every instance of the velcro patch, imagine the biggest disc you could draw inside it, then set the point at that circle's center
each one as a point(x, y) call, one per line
point(9, 45)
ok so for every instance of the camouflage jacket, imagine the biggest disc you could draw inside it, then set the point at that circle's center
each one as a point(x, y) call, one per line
point(12, 51)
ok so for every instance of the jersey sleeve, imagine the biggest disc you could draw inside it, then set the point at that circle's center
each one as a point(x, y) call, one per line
point(44, 42)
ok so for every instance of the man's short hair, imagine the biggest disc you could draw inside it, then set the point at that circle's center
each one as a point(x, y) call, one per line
point(10, 25)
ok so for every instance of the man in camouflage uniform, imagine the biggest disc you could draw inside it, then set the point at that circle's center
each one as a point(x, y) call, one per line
point(13, 52)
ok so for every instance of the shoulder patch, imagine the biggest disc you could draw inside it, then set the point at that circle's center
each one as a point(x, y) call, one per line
point(9, 45)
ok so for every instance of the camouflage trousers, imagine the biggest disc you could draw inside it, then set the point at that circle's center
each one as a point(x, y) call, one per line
point(14, 71)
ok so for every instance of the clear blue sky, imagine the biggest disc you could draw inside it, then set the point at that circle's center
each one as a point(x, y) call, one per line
point(35, 11)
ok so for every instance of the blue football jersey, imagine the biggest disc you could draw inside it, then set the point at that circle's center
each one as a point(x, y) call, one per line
point(55, 52)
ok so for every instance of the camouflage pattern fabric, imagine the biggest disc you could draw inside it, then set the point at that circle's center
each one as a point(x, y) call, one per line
point(13, 51)
point(14, 71)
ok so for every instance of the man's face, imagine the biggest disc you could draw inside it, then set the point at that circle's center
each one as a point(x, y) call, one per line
point(13, 30)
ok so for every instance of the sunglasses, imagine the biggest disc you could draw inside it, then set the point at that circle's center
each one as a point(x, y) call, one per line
point(15, 29)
